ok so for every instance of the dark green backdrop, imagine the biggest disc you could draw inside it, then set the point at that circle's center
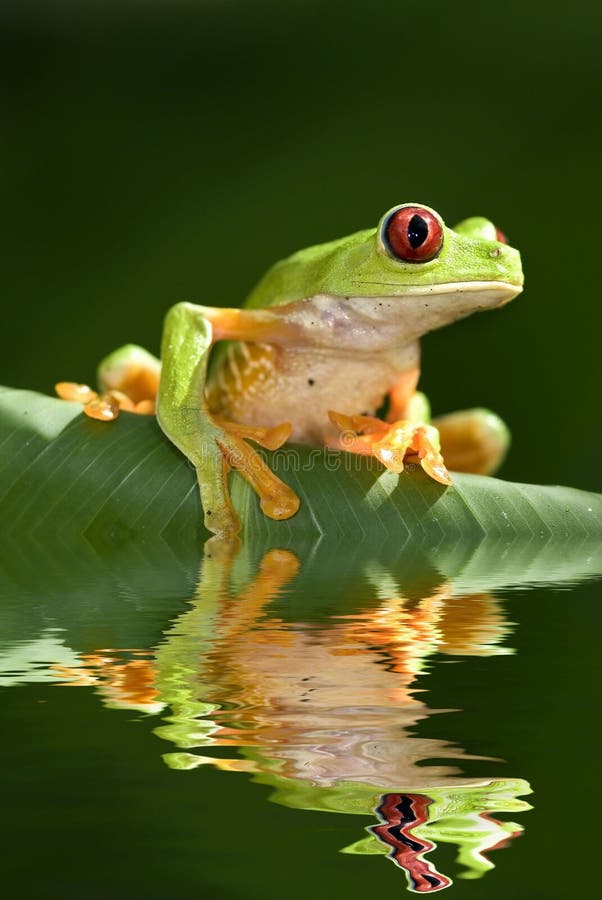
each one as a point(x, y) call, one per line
point(154, 152)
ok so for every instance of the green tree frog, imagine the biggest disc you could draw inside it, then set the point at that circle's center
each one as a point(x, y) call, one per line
point(326, 339)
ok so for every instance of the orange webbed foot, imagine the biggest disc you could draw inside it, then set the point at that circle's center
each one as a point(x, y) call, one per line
point(277, 499)
point(103, 407)
point(270, 438)
point(392, 443)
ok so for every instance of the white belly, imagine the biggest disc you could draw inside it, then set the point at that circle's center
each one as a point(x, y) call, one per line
point(306, 383)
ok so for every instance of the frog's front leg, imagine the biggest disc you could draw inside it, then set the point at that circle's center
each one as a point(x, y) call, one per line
point(212, 445)
point(393, 443)
point(406, 435)
point(473, 440)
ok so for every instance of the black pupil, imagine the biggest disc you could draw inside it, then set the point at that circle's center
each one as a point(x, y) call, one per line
point(418, 231)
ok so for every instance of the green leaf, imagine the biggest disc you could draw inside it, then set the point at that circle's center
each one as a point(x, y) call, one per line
point(84, 491)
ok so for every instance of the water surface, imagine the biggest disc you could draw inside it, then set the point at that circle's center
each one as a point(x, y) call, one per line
point(269, 725)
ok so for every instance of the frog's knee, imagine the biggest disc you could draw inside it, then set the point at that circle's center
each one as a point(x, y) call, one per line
point(133, 371)
point(473, 440)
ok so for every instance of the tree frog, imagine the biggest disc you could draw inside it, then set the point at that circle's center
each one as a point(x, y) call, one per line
point(327, 339)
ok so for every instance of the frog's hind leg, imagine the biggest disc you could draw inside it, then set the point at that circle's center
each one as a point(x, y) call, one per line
point(212, 445)
point(473, 440)
point(133, 371)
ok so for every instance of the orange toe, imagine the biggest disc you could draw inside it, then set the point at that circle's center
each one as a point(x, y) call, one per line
point(104, 408)
point(391, 443)
point(78, 393)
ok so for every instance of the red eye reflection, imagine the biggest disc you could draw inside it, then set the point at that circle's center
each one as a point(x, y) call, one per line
point(500, 236)
point(413, 234)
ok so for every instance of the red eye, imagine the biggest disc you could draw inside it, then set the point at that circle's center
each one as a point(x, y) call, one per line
point(413, 234)
point(500, 236)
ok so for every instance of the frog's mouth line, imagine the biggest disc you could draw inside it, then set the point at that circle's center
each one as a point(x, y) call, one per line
point(505, 289)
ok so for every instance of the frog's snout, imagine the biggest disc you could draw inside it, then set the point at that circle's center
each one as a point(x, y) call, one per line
point(507, 262)
point(511, 291)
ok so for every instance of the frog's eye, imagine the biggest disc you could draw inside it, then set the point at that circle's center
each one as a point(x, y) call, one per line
point(500, 236)
point(413, 234)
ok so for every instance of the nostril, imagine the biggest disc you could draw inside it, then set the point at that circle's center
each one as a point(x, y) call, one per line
point(496, 252)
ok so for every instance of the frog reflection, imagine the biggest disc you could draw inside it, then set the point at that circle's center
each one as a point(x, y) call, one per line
point(324, 711)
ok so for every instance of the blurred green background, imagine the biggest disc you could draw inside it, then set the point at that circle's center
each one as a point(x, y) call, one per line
point(158, 151)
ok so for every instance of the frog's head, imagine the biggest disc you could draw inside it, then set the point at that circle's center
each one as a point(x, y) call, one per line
point(438, 273)
point(412, 246)
point(411, 271)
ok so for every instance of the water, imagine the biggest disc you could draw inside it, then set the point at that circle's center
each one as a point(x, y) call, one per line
point(264, 725)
